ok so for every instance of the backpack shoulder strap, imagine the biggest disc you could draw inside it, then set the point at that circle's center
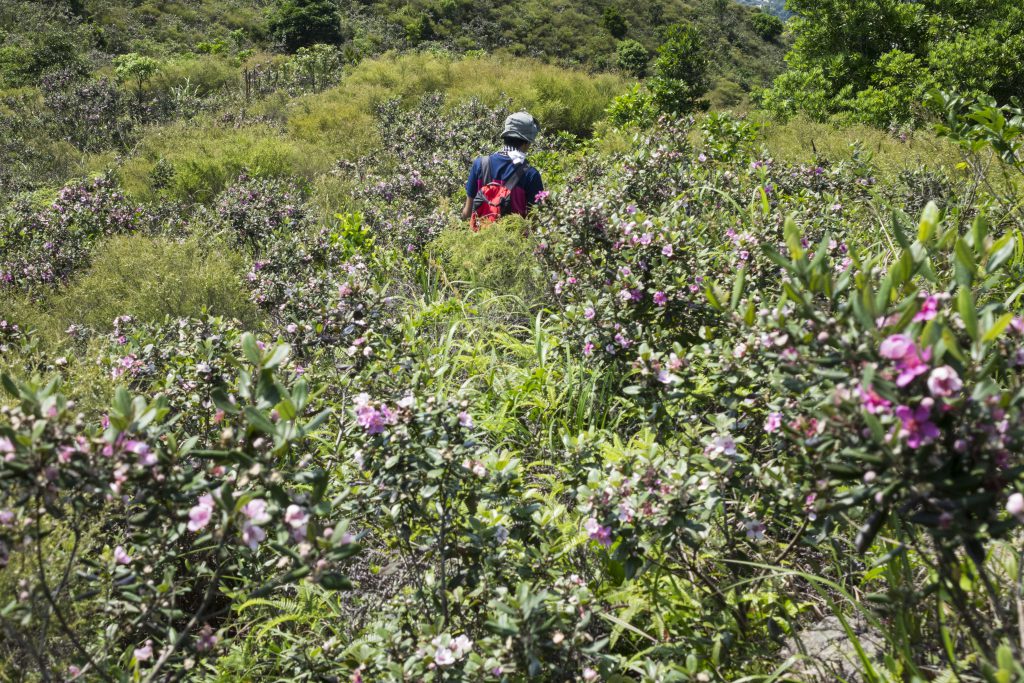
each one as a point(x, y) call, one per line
point(516, 176)
point(485, 169)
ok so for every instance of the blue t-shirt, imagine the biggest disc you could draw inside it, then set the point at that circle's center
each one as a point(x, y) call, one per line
point(524, 195)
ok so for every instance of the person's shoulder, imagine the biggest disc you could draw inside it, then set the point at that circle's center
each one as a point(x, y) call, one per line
point(532, 171)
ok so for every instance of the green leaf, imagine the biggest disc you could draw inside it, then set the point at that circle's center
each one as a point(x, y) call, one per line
point(280, 353)
point(998, 327)
point(737, 288)
point(250, 349)
point(792, 233)
point(259, 421)
point(929, 222)
point(968, 313)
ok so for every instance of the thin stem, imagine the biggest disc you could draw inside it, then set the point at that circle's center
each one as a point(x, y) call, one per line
point(45, 587)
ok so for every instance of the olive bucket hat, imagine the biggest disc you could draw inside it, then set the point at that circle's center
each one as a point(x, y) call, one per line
point(522, 126)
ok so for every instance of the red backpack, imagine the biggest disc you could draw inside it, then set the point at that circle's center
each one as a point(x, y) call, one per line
point(494, 198)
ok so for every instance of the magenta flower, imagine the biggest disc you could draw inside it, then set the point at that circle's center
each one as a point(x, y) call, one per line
point(917, 426)
point(773, 422)
point(872, 402)
point(929, 309)
point(912, 365)
point(944, 382)
point(660, 298)
point(588, 349)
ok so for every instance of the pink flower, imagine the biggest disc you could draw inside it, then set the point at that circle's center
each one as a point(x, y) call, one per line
point(667, 250)
point(7, 448)
point(588, 673)
point(589, 313)
point(929, 309)
point(944, 381)
point(256, 511)
point(370, 419)
point(773, 422)
point(917, 426)
point(588, 349)
point(252, 535)
point(145, 652)
point(465, 420)
point(120, 556)
point(200, 514)
point(6, 517)
point(542, 196)
point(660, 298)
point(295, 516)
point(896, 347)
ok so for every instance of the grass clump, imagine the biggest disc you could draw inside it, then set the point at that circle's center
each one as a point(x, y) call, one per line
point(148, 278)
point(495, 259)
point(195, 162)
point(342, 117)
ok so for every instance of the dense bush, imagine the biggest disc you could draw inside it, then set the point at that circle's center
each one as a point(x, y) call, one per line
point(896, 53)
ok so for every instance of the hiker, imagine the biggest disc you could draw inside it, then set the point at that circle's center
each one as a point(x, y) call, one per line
point(504, 182)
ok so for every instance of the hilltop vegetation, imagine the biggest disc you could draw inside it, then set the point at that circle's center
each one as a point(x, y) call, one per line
point(739, 399)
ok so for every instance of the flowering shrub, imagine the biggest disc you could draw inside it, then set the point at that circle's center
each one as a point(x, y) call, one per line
point(897, 387)
point(46, 246)
point(253, 209)
point(196, 530)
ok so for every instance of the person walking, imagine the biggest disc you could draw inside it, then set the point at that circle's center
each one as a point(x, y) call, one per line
point(504, 182)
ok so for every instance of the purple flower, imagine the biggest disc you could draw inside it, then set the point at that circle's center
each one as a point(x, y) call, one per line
point(465, 420)
point(773, 422)
point(121, 556)
point(660, 298)
point(601, 534)
point(589, 313)
point(588, 349)
point(256, 511)
point(917, 426)
point(667, 250)
point(144, 653)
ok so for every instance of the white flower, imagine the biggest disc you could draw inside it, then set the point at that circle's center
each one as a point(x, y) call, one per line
point(1015, 506)
point(444, 657)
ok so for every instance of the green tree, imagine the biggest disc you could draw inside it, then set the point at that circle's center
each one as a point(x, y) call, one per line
point(300, 23)
point(681, 71)
point(843, 49)
point(768, 26)
point(137, 69)
point(632, 57)
point(615, 22)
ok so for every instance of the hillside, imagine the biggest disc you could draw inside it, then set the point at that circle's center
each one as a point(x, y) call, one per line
point(737, 397)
